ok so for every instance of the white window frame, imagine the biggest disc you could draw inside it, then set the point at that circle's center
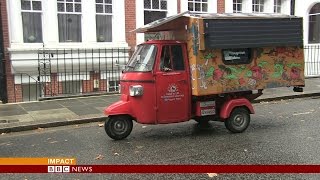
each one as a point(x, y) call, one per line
point(65, 5)
point(32, 11)
point(172, 9)
point(198, 2)
point(155, 9)
point(258, 3)
point(160, 9)
point(309, 15)
point(74, 2)
point(104, 10)
point(105, 13)
point(237, 2)
point(277, 4)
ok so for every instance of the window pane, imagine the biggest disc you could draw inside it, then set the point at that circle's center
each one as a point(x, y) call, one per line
point(77, 7)
point(61, 7)
point(108, 1)
point(315, 9)
point(165, 62)
point(239, 9)
point(147, 4)
point(25, 5)
point(99, 1)
point(30, 92)
point(36, 5)
point(32, 27)
point(204, 7)
point(314, 29)
point(155, 4)
point(99, 8)
point(150, 16)
point(197, 7)
point(69, 7)
point(114, 86)
point(177, 57)
point(164, 5)
point(108, 8)
point(104, 28)
point(69, 27)
point(190, 6)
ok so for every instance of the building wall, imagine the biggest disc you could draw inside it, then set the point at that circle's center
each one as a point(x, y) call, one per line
point(127, 15)
point(23, 64)
point(312, 62)
point(302, 9)
point(130, 22)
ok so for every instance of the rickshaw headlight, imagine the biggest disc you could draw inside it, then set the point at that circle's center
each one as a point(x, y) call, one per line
point(136, 90)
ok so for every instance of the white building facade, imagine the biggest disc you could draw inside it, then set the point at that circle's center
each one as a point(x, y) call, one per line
point(97, 32)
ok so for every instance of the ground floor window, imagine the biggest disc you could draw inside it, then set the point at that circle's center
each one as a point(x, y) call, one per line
point(71, 87)
point(31, 92)
point(113, 86)
point(314, 24)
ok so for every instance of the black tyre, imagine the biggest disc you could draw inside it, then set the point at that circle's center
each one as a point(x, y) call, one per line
point(118, 127)
point(238, 121)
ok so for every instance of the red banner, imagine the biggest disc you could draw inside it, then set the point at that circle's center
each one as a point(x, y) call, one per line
point(160, 169)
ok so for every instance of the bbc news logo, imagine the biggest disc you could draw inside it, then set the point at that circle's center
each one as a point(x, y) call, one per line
point(68, 169)
point(58, 169)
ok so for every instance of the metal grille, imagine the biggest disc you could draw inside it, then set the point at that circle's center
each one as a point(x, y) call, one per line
point(69, 72)
point(312, 60)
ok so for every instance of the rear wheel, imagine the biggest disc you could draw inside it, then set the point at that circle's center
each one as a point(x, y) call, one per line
point(238, 121)
point(118, 127)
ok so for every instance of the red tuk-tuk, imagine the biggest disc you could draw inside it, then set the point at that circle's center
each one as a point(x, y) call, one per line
point(207, 70)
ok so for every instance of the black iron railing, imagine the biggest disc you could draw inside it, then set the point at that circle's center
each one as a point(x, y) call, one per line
point(74, 72)
point(70, 72)
point(312, 60)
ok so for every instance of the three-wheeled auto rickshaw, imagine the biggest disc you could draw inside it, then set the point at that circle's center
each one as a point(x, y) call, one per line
point(207, 67)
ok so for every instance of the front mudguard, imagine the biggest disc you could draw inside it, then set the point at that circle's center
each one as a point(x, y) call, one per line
point(119, 108)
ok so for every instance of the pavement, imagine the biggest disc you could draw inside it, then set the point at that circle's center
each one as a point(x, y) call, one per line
point(16, 117)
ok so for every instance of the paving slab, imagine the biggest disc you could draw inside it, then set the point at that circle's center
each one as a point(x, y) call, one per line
point(93, 100)
point(12, 112)
point(36, 106)
point(70, 102)
point(18, 118)
point(9, 107)
point(83, 110)
point(62, 113)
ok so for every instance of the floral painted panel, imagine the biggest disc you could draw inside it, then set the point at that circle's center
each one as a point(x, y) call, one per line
point(269, 67)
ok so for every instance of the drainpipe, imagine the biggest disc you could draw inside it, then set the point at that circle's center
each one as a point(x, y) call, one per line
point(3, 80)
point(293, 2)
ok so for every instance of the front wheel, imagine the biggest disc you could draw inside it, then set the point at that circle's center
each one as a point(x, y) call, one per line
point(118, 127)
point(238, 121)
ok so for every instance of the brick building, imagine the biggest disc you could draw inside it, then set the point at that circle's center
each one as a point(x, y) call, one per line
point(61, 47)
